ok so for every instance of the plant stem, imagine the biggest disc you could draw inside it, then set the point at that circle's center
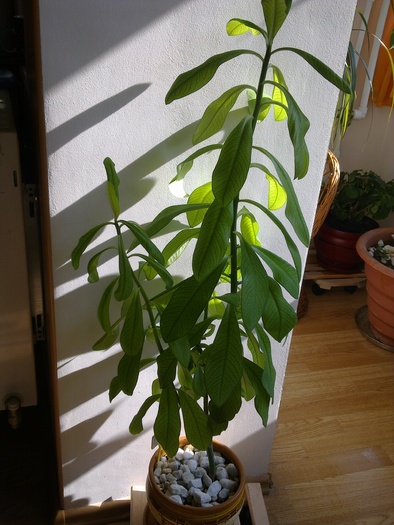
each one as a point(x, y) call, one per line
point(263, 76)
point(211, 458)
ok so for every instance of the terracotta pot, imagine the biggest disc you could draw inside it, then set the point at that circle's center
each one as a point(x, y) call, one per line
point(336, 250)
point(161, 509)
point(380, 286)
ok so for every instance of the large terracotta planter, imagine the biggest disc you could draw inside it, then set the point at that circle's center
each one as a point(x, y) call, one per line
point(380, 287)
point(161, 509)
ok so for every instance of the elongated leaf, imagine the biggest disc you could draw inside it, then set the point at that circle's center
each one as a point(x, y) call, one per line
point(262, 399)
point(136, 426)
point(196, 422)
point(112, 186)
point(280, 110)
point(183, 168)
point(284, 273)
point(178, 244)
point(104, 307)
point(233, 164)
point(198, 77)
point(93, 275)
point(265, 105)
point(107, 340)
point(125, 282)
point(128, 372)
point(114, 388)
point(223, 369)
point(275, 13)
point(157, 268)
point(254, 347)
point(181, 350)
point(132, 336)
point(144, 240)
point(298, 126)
point(254, 286)
point(213, 239)
point(165, 217)
point(269, 374)
point(277, 196)
point(325, 71)
point(293, 210)
point(229, 409)
point(185, 378)
point(84, 242)
point(216, 113)
point(249, 227)
point(202, 194)
point(199, 382)
point(167, 425)
point(166, 368)
point(278, 315)
point(238, 26)
point(186, 304)
point(295, 254)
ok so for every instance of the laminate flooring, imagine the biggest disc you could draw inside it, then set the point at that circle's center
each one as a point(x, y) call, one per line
point(333, 456)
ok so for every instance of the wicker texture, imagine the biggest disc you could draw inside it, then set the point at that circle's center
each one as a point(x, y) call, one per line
point(327, 194)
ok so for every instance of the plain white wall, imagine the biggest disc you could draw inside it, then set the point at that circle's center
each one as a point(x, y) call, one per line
point(107, 66)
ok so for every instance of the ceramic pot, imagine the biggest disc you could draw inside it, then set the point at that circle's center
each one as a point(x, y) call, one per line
point(380, 286)
point(336, 250)
point(161, 509)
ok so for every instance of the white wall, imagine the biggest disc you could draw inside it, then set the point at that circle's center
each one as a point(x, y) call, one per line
point(106, 68)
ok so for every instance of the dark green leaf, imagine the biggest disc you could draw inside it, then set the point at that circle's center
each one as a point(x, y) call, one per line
point(167, 425)
point(254, 286)
point(233, 164)
point(213, 239)
point(223, 369)
point(196, 422)
point(144, 240)
point(166, 368)
point(157, 268)
point(114, 388)
point(186, 304)
point(92, 265)
point(269, 374)
point(275, 13)
point(136, 426)
point(198, 77)
point(104, 307)
point(278, 315)
point(107, 340)
point(125, 282)
point(84, 242)
point(229, 409)
point(128, 372)
point(181, 350)
point(283, 272)
point(262, 399)
point(112, 186)
point(199, 382)
point(132, 336)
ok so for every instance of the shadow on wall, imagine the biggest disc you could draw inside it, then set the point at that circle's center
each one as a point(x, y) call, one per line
point(92, 33)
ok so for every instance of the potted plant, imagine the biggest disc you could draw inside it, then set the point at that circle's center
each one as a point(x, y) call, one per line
point(362, 199)
point(237, 289)
point(376, 248)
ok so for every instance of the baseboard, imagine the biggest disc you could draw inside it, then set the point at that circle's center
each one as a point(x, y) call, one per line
point(108, 513)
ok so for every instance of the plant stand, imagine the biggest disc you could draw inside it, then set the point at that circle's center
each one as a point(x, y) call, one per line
point(254, 500)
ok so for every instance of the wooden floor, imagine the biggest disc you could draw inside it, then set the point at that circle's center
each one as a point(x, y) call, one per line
point(333, 455)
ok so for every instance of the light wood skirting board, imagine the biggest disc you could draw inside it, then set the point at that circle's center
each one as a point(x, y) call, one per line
point(110, 513)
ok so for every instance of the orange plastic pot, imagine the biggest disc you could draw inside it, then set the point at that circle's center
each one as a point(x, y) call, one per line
point(161, 509)
point(380, 286)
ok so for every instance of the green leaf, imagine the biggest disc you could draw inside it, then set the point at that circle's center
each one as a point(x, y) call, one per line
point(196, 422)
point(216, 113)
point(249, 227)
point(84, 242)
point(254, 347)
point(199, 382)
point(92, 265)
point(128, 372)
point(198, 77)
point(283, 272)
point(112, 186)
point(136, 426)
point(229, 409)
point(262, 399)
point(295, 254)
point(144, 240)
point(107, 340)
point(293, 210)
point(277, 196)
point(114, 388)
point(157, 268)
point(254, 286)
point(181, 350)
point(125, 282)
point(186, 304)
point(278, 315)
point(265, 105)
point(232, 168)
point(104, 307)
point(167, 426)
point(325, 71)
point(202, 194)
point(298, 126)
point(223, 369)
point(278, 95)
point(269, 374)
point(166, 368)
point(238, 26)
point(132, 336)
point(275, 13)
point(213, 239)
point(185, 377)
point(178, 244)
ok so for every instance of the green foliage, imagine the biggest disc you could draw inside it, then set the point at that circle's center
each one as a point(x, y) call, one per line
point(213, 330)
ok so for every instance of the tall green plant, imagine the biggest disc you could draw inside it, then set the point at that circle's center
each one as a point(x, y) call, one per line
point(235, 293)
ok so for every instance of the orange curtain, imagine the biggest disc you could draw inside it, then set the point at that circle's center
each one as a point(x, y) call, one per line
point(383, 77)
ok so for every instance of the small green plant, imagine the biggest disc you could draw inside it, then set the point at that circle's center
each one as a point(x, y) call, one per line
point(235, 293)
point(361, 194)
